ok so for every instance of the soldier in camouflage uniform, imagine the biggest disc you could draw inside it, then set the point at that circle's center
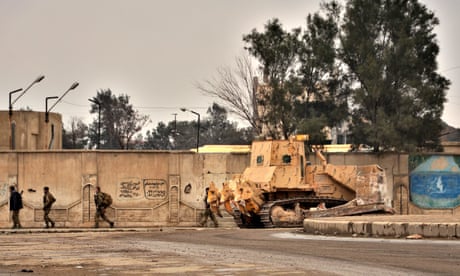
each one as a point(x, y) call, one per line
point(99, 199)
point(48, 200)
point(15, 206)
point(207, 212)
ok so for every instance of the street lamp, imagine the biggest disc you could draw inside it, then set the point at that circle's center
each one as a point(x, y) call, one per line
point(46, 107)
point(47, 119)
point(37, 80)
point(12, 126)
point(174, 131)
point(11, 105)
point(198, 126)
point(96, 101)
point(72, 87)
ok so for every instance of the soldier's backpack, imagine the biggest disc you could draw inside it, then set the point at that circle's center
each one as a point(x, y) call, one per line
point(106, 200)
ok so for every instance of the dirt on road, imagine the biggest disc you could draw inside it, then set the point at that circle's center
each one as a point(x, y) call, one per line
point(209, 251)
point(121, 253)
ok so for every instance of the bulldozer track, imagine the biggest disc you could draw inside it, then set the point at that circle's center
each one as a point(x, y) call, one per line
point(263, 218)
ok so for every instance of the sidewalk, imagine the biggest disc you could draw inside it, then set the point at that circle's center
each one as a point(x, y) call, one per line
point(7, 231)
point(75, 230)
point(392, 226)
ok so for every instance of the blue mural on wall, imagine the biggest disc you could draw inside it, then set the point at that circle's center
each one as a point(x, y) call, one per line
point(435, 181)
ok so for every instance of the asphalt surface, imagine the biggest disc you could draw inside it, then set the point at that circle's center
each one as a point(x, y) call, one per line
point(210, 251)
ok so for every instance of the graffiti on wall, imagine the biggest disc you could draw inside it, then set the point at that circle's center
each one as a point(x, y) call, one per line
point(135, 188)
point(4, 189)
point(155, 188)
point(130, 188)
point(435, 181)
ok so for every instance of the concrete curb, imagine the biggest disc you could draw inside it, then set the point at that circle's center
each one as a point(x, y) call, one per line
point(109, 230)
point(394, 229)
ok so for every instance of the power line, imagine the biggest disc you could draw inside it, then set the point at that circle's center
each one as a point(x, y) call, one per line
point(169, 107)
point(74, 104)
point(451, 68)
point(146, 107)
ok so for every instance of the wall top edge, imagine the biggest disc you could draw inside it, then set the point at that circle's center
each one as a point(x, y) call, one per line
point(3, 151)
point(97, 151)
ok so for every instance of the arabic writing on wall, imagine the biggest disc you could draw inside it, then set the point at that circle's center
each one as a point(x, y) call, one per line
point(135, 188)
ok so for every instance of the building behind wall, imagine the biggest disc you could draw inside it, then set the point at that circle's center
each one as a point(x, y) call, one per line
point(27, 130)
point(450, 139)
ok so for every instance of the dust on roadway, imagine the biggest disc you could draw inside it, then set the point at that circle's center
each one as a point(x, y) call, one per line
point(201, 251)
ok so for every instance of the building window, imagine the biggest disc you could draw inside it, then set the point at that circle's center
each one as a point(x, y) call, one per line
point(286, 159)
point(260, 160)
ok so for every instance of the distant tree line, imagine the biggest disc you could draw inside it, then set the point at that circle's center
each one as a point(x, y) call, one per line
point(121, 128)
point(369, 64)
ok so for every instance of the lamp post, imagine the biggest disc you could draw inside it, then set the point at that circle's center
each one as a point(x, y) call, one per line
point(46, 107)
point(47, 119)
point(11, 105)
point(174, 131)
point(37, 80)
point(72, 87)
point(198, 126)
point(12, 126)
point(96, 101)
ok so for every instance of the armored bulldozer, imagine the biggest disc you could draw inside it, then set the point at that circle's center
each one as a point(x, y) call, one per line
point(281, 187)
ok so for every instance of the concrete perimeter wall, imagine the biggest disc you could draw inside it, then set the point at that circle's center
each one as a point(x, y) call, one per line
point(396, 166)
point(151, 188)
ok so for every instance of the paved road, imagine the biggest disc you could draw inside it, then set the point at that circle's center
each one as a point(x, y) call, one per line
point(221, 252)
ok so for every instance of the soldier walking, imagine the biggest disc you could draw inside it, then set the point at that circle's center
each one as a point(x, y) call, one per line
point(15, 206)
point(207, 211)
point(48, 200)
point(102, 201)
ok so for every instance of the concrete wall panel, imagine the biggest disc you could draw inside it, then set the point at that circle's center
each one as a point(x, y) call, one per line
point(61, 172)
point(133, 177)
point(4, 213)
point(191, 175)
point(149, 188)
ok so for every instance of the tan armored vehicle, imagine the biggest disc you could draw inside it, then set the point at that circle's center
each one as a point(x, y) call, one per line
point(281, 187)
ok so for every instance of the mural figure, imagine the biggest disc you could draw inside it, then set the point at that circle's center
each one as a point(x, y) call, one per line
point(435, 181)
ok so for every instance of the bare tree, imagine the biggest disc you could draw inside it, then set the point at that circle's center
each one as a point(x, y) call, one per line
point(236, 89)
point(76, 137)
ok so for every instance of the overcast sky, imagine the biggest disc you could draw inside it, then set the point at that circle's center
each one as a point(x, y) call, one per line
point(154, 51)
